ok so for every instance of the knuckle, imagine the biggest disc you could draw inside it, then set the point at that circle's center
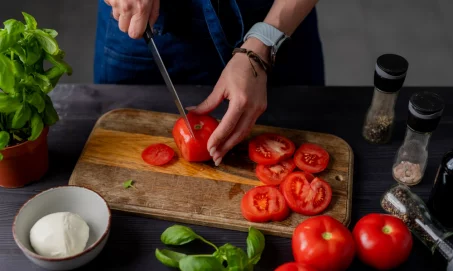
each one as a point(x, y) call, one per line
point(242, 101)
point(126, 7)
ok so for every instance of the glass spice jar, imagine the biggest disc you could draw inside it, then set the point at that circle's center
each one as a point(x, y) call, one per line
point(402, 203)
point(389, 76)
point(425, 112)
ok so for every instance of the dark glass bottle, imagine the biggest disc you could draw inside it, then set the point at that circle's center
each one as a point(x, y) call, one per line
point(440, 201)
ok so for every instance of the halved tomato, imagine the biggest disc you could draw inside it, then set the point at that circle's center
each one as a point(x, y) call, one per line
point(293, 266)
point(194, 149)
point(158, 154)
point(311, 158)
point(275, 174)
point(305, 194)
point(264, 203)
point(269, 149)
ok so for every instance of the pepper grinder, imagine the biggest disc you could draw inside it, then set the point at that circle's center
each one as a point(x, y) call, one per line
point(425, 112)
point(399, 201)
point(389, 76)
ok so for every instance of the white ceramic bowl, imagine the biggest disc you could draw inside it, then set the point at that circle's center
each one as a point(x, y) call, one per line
point(82, 201)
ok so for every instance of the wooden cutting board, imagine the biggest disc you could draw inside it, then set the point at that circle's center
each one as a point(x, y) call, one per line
point(197, 193)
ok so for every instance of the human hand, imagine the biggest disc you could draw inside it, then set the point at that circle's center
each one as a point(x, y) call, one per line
point(247, 97)
point(133, 15)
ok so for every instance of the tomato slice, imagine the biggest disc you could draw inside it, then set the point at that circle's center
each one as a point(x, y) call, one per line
point(269, 149)
point(311, 158)
point(158, 154)
point(305, 194)
point(293, 266)
point(275, 174)
point(264, 203)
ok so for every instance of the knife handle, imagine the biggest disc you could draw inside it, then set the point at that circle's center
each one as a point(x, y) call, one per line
point(148, 33)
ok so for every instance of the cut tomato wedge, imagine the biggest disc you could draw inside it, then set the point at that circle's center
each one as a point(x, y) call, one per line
point(306, 194)
point(264, 203)
point(158, 154)
point(311, 158)
point(269, 149)
point(275, 174)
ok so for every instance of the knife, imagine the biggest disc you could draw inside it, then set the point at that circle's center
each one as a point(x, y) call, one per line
point(148, 36)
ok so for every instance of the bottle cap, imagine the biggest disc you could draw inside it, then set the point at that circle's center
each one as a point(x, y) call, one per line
point(425, 111)
point(390, 72)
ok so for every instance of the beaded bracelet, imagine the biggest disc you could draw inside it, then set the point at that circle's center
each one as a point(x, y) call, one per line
point(252, 56)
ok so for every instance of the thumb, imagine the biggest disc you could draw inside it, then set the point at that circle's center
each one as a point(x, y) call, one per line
point(210, 103)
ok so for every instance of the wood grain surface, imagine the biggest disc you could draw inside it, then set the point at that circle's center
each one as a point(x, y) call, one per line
point(196, 193)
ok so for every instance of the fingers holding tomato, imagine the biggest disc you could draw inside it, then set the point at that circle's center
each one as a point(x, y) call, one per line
point(194, 149)
point(383, 241)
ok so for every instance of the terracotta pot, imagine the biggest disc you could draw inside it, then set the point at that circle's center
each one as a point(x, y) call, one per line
point(24, 163)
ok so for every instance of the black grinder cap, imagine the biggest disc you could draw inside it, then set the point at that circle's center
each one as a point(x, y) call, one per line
point(390, 72)
point(425, 111)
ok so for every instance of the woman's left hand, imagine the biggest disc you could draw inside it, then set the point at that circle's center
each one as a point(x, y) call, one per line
point(247, 97)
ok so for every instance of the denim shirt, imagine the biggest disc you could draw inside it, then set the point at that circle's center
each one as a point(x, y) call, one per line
point(195, 39)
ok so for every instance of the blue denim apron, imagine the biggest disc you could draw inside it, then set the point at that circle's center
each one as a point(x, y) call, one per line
point(196, 39)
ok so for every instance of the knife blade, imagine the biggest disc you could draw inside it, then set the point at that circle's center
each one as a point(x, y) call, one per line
point(148, 36)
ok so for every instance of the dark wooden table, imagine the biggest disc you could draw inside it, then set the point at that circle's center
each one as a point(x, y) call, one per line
point(133, 240)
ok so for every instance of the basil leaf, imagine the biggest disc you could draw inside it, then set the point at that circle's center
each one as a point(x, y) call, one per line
point(8, 103)
point(43, 82)
point(14, 26)
point(178, 235)
point(37, 101)
point(50, 114)
point(30, 21)
point(59, 62)
point(18, 69)
point(51, 32)
point(7, 70)
point(169, 258)
point(21, 117)
point(4, 139)
point(1, 156)
point(255, 245)
point(11, 34)
point(36, 125)
point(34, 52)
point(236, 258)
point(200, 263)
point(47, 42)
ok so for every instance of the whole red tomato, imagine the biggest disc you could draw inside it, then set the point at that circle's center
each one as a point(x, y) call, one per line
point(383, 241)
point(194, 149)
point(295, 267)
point(323, 243)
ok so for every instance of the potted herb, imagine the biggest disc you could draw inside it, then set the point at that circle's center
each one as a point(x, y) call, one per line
point(26, 110)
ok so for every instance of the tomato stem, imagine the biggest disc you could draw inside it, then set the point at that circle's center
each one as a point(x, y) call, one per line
point(198, 126)
point(386, 229)
point(327, 235)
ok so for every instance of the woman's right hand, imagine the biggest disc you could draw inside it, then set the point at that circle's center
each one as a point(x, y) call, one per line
point(133, 15)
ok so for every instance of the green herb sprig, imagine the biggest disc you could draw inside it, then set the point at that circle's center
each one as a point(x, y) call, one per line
point(25, 107)
point(225, 258)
